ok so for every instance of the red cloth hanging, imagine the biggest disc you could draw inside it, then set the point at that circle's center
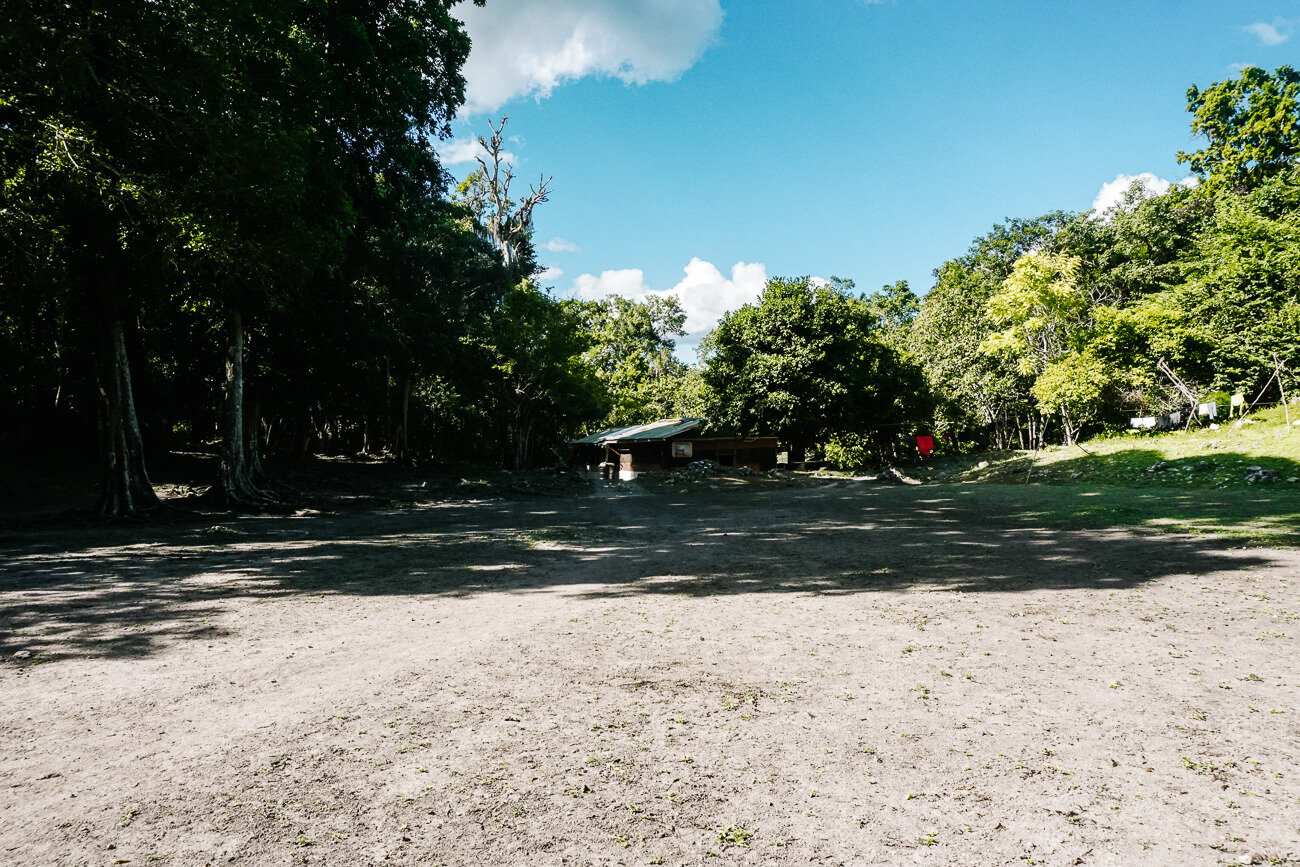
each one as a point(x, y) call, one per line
point(926, 445)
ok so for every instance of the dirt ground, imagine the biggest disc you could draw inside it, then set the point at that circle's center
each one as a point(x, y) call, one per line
point(853, 674)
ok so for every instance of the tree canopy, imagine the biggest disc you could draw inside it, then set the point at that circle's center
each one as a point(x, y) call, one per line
point(806, 362)
point(1252, 124)
point(225, 227)
point(1078, 311)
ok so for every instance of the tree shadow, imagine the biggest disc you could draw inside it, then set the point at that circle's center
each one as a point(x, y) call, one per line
point(134, 591)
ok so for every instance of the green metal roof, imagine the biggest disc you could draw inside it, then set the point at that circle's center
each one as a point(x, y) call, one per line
point(659, 430)
point(599, 437)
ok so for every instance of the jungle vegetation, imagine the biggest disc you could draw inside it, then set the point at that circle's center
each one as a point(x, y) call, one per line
point(224, 225)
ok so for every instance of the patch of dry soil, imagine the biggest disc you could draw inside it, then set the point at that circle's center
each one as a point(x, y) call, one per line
point(832, 676)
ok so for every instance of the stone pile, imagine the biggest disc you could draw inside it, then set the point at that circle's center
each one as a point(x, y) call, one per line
point(698, 471)
point(1261, 476)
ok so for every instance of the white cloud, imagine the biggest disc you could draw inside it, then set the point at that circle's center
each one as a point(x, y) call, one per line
point(529, 47)
point(560, 245)
point(466, 150)
point(705, 292)
point(1112, 192)
point(550, 272)
point(628, 282)
point(1270, 34)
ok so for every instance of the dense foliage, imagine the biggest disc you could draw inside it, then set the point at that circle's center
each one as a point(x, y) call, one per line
point(224, 226)
point(805, 363)
point(1057, 324)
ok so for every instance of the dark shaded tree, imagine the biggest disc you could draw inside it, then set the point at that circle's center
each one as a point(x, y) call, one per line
point(226, 160)
point(546, 390)
point(92, 105)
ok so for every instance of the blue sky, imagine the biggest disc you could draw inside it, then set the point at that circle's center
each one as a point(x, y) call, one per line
point(699, 147)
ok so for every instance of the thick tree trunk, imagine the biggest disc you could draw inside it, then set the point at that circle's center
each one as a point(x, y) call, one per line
point(253, 439)
point(235, 483)
point(126, 489)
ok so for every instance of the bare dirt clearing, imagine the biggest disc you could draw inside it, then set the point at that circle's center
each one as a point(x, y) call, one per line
point(854, 674)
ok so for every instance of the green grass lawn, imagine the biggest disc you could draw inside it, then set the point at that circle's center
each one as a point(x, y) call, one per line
point(1193, 481)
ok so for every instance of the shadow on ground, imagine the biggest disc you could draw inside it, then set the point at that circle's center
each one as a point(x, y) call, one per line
point(132, 591)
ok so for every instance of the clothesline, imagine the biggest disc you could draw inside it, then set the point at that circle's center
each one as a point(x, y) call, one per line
point(1260, 405)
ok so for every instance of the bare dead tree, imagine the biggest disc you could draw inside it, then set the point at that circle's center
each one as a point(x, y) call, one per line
point(510, 227)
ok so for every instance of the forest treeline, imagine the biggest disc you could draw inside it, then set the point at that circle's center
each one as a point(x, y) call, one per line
point(224, 225)
point(1056, 325)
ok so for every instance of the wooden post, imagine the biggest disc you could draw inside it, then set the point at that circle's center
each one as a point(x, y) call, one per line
point(1277, 372)
point(1163, 367)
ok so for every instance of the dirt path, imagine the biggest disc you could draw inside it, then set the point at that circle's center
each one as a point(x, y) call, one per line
point(835, 676)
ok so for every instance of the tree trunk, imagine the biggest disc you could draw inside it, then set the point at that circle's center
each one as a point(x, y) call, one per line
point(126, 489)
point(390, 433)
point(523, 438)
point(403, 433)
point(306, 434)
point(253, 439)
point(235, 480)
point(1068, 424)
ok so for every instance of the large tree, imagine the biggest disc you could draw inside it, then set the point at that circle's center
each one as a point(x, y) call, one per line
point(1252, 124)
point(1239, 310)
point(804, 363)
point(632, 352)
point(978, 390)
point(1046, 320)
point(344, 103)
point(94, 103)
point(224, 157)
point(546, 390)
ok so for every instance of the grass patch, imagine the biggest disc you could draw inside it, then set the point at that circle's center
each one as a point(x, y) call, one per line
point(1179, 482)
point(731, 835)
point(1198, 458)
